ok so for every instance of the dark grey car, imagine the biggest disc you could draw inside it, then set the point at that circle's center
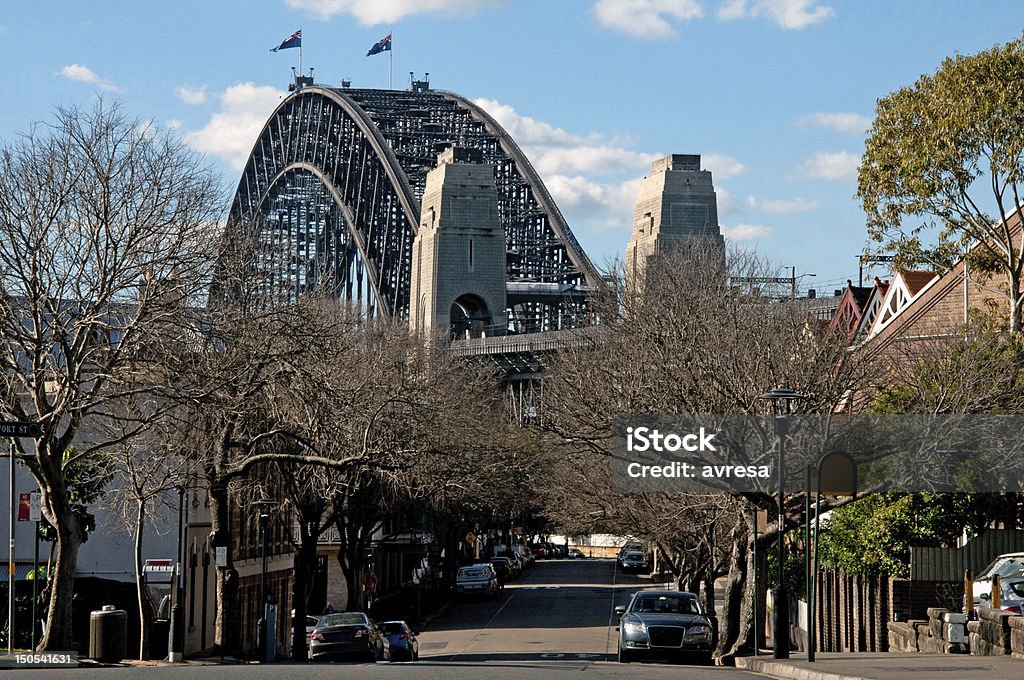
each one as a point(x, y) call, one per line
point(664, 623)
point(347, 634)
point(402, 642)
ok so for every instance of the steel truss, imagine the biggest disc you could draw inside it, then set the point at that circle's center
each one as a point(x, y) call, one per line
point(331, 192)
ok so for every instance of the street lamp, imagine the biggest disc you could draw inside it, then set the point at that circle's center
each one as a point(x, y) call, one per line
point(264, 505)
point(176, 648)
point(781, 399)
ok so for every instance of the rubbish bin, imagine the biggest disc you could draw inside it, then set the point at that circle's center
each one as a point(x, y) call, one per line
point(108, 634)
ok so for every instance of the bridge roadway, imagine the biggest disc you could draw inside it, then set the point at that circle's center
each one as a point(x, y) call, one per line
point(556, 622)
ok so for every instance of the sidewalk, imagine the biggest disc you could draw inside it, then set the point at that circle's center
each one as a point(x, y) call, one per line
point(884, 666)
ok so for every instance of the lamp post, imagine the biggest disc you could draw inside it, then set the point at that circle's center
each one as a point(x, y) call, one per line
point(264, 506)
point(781, 398)
point(176, 648)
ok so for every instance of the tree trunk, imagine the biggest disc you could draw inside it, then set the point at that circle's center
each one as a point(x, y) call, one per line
point(1015, 304)
point(351, 571)
point(140, 586)
point(305, 562)
point(227, 626)
point(59, 635)
point(736, 627)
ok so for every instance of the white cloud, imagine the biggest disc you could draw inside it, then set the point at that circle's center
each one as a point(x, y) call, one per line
point(746, 232)
point(841, 165)
point(231, 131)
point(721, 166)
point(553, 150)
point(371, 12)
point(191, 95)
point(173, 124)
point(646, 18)
point(790, 14)
point(840, 122)
point(602, 206)
point(727, 205)
point(783, 207)
point(83, 74)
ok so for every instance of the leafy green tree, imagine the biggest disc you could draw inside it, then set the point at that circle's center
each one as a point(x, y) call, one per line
point(947, 153)
point(874, 535)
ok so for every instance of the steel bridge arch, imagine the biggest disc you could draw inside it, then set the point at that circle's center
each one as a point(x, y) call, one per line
point(332, 188)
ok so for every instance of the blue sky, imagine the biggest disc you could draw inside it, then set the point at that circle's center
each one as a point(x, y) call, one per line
point(775, 94)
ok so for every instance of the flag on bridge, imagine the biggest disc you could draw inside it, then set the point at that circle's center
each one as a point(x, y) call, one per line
point(382, 45)
point(294, 40)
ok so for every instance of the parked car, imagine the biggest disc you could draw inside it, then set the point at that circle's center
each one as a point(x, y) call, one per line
point(633, 561)
point(539, 551)
point(575, 554)
point(503, 565)
point(525, 554)
point(1008, 566)
point(1011, 595)
point(517, 562)
point(631, 546)
point(402, 642)
point(347, 634)
point(664, 622)
point(478, 579)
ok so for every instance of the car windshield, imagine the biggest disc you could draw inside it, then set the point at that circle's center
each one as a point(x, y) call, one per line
point(473, 572)
point(666, 604)
point(634, 556)
point(1004, 566)
point(343, 619)
point(394, 627)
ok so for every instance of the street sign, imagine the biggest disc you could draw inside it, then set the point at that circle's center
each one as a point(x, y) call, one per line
point(14, 428)
point(35, 508)
point(471, 538)
point(158, 566)
point(24, 506)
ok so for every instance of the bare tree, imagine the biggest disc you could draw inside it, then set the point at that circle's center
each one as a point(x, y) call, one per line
point(100, 217)
point(682, 341)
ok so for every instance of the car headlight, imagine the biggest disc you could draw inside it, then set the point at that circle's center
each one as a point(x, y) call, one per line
point(698, 632)
point(634, 627)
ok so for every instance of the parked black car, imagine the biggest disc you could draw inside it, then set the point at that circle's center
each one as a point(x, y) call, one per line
point(664, 623)
point(502, 565)
point(347, 634)
point(402, 642)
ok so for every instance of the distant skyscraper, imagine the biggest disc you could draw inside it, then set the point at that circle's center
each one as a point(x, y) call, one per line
point(677, 208)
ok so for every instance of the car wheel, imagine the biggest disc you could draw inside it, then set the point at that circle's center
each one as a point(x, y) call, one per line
point(624, 656)
point(416, 655)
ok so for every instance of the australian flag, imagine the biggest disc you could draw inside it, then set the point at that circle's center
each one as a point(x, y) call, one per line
point(383, 45)
point(294, 40)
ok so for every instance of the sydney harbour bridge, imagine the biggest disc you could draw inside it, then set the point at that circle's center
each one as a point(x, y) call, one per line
point(335, 181)
point(334, 195)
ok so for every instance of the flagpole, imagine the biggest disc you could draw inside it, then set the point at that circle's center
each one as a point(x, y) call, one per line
point(300, 50)
point(391, 53)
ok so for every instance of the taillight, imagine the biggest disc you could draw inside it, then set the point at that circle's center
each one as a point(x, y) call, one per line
point(1015, 609)
point(316, 635)
point(362, 632)
point(404, 636)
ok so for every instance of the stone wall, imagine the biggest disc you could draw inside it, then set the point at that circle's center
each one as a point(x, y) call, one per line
point(990, 634)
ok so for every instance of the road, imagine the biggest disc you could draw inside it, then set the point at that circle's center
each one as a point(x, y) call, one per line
point(555, 622)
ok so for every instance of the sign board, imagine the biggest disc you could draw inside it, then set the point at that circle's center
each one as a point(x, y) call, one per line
point(760, 521)
point(24, 506)
point(14, 428)
point(222, 556)
point(35, 509)
point(270, 642)
point(471, 538)
point(158, 566)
